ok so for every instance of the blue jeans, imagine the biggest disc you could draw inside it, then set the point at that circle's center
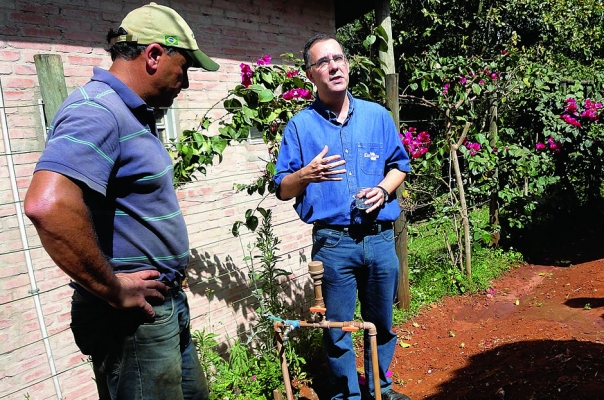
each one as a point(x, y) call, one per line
point(134, 359)
point(367, 264)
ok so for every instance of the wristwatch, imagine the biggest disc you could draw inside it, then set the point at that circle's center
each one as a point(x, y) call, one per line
point(385, 193)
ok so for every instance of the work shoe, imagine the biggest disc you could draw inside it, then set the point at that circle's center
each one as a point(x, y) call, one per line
point(390, 394)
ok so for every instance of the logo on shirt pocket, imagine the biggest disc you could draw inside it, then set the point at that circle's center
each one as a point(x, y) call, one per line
point(371, 158)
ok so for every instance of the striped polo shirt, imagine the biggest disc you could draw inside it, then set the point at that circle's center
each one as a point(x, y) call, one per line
point(104, 138)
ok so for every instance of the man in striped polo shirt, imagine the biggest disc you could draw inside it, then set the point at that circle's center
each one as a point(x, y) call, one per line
point(103, 203)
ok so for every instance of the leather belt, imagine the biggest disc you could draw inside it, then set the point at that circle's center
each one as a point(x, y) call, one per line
point(357, 230)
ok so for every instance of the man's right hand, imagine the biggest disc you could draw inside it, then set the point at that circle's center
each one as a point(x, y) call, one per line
point(321, 168)
point(136, 289)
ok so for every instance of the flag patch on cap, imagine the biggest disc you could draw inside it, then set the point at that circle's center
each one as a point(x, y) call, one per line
point(171, 40)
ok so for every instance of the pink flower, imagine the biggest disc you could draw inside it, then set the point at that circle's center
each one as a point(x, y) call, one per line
point(592, 105)
point(290, 95)
point(591, 110)
point(264, 60)
point(306, 94)
point(473, 147)
point(571, 105)
point(463, 80)
point(298, 94)
point(418, 145)
point(446, 89)
point(481, 82)
point(591, 115)
point(570, 120)
point(571, 112)
point(423, 137)
point(246, 74)
point(290, 74)
point(556, 147)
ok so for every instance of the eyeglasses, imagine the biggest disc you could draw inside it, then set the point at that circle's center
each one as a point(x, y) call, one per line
point(323, 63)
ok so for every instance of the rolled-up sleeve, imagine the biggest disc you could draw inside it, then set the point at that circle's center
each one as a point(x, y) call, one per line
point(289, 159)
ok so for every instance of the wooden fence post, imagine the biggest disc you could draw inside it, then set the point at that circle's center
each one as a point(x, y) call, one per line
point(400, 225)
point(49, 68)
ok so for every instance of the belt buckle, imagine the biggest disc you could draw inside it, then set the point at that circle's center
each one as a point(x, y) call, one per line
point(177, 283)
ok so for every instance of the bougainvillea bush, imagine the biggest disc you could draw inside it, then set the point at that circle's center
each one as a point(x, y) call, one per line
point(267, 97)
point(534, 134)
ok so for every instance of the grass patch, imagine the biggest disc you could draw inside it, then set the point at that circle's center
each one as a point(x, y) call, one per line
point(432, 273)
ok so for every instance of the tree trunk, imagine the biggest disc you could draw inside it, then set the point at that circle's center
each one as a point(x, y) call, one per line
point(494, 196)
point(464, 209)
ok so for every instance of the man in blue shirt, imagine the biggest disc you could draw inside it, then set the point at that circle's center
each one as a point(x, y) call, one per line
point(103, 203)
point(329, 151)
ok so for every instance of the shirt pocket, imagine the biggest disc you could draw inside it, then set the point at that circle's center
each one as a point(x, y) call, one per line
point(371, 158)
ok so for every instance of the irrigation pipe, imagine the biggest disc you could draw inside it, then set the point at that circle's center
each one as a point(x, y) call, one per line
point(283, 328)
point(34, 291)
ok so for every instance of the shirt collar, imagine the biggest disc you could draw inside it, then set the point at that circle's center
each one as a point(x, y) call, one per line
point(131, 99)
point(330, 115)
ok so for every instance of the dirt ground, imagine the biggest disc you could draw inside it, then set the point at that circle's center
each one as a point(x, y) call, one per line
point(537, 333)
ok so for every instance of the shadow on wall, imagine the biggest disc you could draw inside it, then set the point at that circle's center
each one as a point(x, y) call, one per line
point(545, 369)
point(230, 284)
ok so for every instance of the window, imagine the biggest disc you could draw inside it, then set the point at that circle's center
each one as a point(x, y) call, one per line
point(255, 136)
point(166, 124)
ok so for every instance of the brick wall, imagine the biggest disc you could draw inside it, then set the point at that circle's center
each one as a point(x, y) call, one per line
point(231, 32)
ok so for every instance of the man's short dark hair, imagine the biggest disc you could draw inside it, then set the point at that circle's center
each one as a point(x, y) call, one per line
point(317, 38)
point(129, 51)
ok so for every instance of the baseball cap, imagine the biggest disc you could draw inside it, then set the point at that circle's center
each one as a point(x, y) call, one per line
point(153, 23)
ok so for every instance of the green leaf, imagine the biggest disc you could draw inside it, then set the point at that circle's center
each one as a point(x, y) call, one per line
point(218, 144)
point(232, 104)
point(369, 41)
point(251, 223)
point(383, 44)
point(298, 82)
point(235, 228)
point(265, 96)
point(270, 167)
point(249, 112)
point(267, 77)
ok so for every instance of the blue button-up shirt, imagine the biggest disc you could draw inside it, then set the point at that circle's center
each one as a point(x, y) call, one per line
point(368, 140)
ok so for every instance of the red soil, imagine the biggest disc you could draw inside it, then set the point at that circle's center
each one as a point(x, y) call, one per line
point(537, 334)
